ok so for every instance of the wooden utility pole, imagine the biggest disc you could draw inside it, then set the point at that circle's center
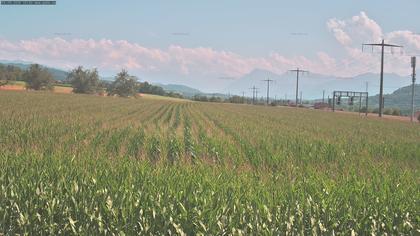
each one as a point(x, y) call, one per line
point(298, 71)
point(254, 89)
point(381, 89)
point(300, 98)
point(268, 89)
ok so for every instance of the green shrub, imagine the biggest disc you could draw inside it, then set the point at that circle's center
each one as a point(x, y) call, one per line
point(388, 111)
point(396, 112)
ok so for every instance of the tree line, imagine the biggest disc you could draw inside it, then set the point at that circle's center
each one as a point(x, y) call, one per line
point(9, 73)
point(86, 81)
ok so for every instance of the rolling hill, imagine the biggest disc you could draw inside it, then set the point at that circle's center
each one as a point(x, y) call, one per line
point(182, 89)
point(400, 98)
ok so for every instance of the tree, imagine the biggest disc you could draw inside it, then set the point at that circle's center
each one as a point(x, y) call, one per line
point(9, 73)
point(388, 111)
point(84, 81)
point(236, 99)
point(38, 78)
point(124, 85)
point(396, 112)
point(215, 99)
point(200, 98)
point(151, 89)
point(174, 95)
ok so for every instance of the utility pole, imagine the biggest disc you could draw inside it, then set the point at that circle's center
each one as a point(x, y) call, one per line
point(323, 96)
point(381, 89)
point(413, 65)
point(268, 89)
point(298, 71)
point(254, 89)
point(256, 94)
point(367, 86)
point(243, 96)
point(300, 97)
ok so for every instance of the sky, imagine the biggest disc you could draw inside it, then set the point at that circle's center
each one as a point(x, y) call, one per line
point(209, 44)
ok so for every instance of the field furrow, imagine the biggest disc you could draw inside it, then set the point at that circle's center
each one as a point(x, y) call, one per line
point(90, 165)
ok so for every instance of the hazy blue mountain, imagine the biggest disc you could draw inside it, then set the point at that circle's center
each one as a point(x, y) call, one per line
point(57, 74)
point(178, 88)
point(312, 84)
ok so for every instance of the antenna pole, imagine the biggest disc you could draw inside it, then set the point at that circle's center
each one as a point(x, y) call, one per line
point(413, 65)
point(297, 86)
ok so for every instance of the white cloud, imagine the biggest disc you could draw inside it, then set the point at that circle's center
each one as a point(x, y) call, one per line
point(357, 30)
point(336, 27)
point(113, 55)
point(110, 56)
point(352, 33)
point(410, 40)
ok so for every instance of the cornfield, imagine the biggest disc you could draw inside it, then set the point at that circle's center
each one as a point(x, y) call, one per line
point(79, 164)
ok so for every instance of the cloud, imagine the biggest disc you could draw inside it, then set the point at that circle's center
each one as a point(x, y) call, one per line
point(110, 56)
point(337, 28)
point(93, 53)
point(356, 30)
point(326, 60)
point(352, 33)
point(410, 40)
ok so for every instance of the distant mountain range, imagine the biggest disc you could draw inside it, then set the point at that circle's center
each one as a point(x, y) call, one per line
point(312, 85)
point(56, 73)
point(396, 89)
point(182, 89)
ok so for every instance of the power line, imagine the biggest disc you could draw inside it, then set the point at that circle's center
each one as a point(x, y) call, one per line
point(298, 71)
point(382, 45)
